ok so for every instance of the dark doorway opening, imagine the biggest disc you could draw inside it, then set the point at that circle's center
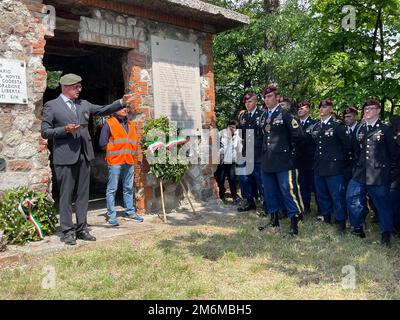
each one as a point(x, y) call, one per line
point(103, 83)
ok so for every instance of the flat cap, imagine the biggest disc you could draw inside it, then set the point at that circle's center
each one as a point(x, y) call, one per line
point(269, 89)
point(70, 79)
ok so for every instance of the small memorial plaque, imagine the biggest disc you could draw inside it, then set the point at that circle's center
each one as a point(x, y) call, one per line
point(13, 81)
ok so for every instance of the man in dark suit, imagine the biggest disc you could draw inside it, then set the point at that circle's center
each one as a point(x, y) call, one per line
point(65, 121)
point(377, 157)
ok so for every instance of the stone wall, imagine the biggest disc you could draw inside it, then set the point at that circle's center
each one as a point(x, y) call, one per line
point(24, 155)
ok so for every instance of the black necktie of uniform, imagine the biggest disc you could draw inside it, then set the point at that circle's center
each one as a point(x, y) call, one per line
point(369, 128)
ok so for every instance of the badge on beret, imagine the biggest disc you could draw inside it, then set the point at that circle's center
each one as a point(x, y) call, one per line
point(295, 124)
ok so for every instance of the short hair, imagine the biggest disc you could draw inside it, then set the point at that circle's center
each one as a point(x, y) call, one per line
point(248, 96)
point(233, 123)
point(326, 103)
point(372, 102)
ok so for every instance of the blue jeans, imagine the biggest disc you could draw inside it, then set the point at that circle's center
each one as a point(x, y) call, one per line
point(380, 195)
point(282, 186)
point(126, 172)
point(331, 196)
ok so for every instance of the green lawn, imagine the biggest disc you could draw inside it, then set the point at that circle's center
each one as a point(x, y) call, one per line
point(222, 257)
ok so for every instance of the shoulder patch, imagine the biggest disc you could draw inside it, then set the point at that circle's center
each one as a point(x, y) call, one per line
point(295, 124)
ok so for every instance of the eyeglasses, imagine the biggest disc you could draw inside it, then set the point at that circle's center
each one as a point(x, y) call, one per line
point(370, 108)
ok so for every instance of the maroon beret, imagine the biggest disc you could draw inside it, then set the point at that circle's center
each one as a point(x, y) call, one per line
point(304, 103)
point(372, 102)
point(350, 109)
point(248, 96)
point(326, 103)
point(269, 89)
point(284, 99)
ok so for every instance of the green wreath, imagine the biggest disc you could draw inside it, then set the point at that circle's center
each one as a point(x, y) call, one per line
point(161, 149)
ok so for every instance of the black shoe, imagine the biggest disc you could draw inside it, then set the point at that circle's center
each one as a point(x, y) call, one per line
point(273, 223)
point(385, 240)
point(69, 239)
point(358, 232)
point(84, 235)
point(294, 230)
point(341, 227)
point(327, 219)
point(247, 207)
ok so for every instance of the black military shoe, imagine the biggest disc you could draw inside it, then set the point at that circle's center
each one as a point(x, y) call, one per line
point(247, 206)
point(294, 230)
point(273, 223)
point(358, 232)
point(69, 239)
point(341, 226)
point(84, 235)
point(385, 240)
point(327, 219)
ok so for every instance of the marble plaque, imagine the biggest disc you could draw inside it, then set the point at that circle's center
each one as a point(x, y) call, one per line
point(176, 82)
point(13, 82)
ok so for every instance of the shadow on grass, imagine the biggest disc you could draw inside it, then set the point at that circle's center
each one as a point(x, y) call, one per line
point(316, 256)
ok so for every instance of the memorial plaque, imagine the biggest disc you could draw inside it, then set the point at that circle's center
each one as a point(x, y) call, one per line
point(176, 82)
point(13, 82)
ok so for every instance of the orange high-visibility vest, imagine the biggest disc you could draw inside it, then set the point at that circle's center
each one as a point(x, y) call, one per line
point(122, 147)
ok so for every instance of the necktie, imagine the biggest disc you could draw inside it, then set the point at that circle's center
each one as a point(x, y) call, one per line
point(269, 114)
point(72, 106)
point(369, 128)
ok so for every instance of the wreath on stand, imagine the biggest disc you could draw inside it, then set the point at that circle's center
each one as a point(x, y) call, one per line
point(161, 145)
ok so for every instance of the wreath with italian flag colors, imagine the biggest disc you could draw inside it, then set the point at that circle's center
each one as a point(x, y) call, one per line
point(161, 144)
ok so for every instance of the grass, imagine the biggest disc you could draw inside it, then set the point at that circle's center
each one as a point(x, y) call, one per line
point(218, 257)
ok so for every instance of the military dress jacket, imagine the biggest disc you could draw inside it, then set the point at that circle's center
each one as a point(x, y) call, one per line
point(251, 123)
point(305, 152)
point(282, 132)
point(333, 147)
point(377, 155)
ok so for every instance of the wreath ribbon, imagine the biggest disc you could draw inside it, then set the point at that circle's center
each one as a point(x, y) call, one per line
point(155, 145)
point(28, 203)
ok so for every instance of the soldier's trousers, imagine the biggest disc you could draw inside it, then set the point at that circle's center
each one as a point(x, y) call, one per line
point(331, 196)
point(380, 195)
point(247, 181)
point(284, 184)
point(395, 199)
point(306, 182)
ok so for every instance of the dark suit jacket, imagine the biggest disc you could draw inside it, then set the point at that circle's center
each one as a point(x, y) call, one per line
point(66, 145)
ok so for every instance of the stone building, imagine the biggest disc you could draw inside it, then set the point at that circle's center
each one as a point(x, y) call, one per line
point(116, 46)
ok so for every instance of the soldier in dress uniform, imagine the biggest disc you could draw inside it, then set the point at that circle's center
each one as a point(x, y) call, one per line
point(281, 131)
point(249, 122)
point(333, 146)
point(376, 155)
point(305, 155)
point(350, 119)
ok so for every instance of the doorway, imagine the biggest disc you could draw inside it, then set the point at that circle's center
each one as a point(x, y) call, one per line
point(102, 83)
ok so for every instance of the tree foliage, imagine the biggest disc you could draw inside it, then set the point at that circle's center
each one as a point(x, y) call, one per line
point(310, 51)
